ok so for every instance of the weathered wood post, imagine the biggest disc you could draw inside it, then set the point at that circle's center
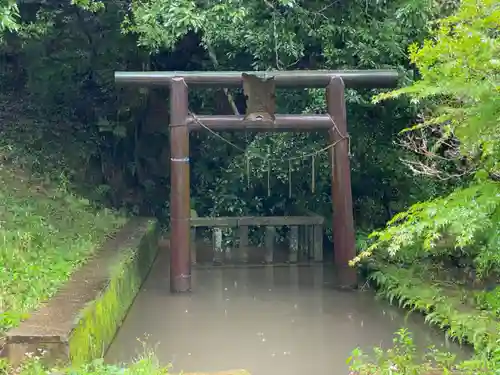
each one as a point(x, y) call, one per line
point(193, 245)
point(293, 240)
point(180, 211)
point(243, 243)
point(217, 246)
point(193, 215)
point(318, 242)
point(343, 222)
point(269, 243)
point(228, 248)
point(302, 242)
point(310, 242)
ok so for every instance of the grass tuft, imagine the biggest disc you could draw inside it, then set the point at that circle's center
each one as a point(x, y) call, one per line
point(46, 232)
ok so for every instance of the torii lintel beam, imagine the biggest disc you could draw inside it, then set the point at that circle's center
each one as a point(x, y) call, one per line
point(290, 78)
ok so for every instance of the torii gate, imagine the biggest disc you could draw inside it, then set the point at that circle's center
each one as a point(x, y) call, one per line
point(262, 119)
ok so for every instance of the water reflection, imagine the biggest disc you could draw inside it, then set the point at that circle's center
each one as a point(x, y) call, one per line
point(269, 320)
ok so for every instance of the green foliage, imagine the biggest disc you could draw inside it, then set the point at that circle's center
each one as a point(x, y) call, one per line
point(10, 19)
point(89, 5)
point(9, 14)
point(46, 233)
point(404, 359)
point(489, 300)
point(459, 80)
point(460, 74)
point(466, 316)
point(459, 83)
point(464, 223)
point(61, 63)
point(278, 32)
point(445, 306)
point(288, 35)
point(146, 363)
point(59, 76)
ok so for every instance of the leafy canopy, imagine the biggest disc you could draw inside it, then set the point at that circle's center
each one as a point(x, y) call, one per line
point(63, 57)
point(9, 14)
point(460, 75)
point(276, 33)
point(460, 84)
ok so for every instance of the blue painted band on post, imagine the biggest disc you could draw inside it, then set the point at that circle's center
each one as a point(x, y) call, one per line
point(186, 160)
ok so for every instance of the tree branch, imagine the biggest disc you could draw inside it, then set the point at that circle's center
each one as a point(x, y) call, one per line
point(215, 62)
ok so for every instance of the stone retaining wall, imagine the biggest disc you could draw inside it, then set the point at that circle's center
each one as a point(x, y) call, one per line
point(80, 321)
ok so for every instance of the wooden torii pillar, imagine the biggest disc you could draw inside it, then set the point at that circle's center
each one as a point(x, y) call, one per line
point(182, 122)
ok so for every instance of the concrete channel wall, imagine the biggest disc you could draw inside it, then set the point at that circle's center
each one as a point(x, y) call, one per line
point(79, 323)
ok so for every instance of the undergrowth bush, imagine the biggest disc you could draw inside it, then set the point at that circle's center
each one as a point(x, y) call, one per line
point(404, 359)
point(489, 300)
point(452, 309)
point(146, 364)
point(464, 223)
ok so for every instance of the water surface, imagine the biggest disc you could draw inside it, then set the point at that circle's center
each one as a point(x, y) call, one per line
point(268, 320)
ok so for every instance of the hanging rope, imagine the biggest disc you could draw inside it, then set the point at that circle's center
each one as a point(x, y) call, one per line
point(277, 160)
point(248, 171)
point(268, 172)
point(268, 160)
point(313, 176)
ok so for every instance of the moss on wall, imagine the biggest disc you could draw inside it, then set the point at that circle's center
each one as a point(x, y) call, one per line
point(100, 320)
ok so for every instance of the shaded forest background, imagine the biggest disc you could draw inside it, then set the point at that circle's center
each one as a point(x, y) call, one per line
point(61, 113)
point(424, 156)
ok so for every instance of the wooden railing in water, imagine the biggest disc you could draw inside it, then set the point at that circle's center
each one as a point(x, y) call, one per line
point(305, 236)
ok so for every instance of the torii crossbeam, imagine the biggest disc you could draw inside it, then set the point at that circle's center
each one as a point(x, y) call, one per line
point(181, 123)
